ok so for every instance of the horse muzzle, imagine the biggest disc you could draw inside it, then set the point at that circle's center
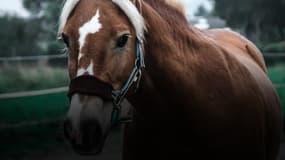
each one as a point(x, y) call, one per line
point(88, 139)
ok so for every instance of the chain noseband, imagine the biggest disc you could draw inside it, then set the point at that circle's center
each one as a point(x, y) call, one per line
point(91, 85)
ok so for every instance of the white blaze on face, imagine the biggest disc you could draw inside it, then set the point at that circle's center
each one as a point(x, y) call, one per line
point(91, 27)
point(88, 70)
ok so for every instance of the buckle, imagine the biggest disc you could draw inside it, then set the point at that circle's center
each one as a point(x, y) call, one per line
point(116, 98)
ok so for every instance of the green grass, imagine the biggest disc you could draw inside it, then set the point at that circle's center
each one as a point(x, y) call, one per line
point(20, 141)
point(277, 75)
point(15, 79)
point(37, 108)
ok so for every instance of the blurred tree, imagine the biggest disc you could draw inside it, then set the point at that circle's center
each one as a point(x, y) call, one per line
point(260, 20)
point(34, 35)
point(19, 36)
point(202, 12)
point(212, 20)
point(46, 12)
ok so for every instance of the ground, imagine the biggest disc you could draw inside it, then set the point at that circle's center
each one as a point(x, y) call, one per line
point(112, 151)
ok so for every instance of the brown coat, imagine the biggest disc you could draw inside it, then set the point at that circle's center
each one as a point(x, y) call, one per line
point(204, 95)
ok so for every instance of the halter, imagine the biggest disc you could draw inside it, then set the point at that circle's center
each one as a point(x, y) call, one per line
point(91, 85)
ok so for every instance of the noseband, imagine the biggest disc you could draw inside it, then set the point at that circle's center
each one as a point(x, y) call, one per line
point(90, 85)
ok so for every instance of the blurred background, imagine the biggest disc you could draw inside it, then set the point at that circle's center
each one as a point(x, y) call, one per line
point(34, 78)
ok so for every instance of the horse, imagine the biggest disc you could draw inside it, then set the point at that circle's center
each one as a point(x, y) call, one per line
point(195, 94)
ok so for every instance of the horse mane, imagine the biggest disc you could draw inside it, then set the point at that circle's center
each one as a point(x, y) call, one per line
point(131, 11)
point(67, 9)
point(170, 10)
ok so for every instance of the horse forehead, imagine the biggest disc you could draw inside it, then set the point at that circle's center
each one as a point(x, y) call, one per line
point(89, 27)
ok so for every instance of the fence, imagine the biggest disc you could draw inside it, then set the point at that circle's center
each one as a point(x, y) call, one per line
point(33, 58)
point(59, 60)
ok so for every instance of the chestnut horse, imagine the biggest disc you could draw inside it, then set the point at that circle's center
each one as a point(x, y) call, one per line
point(195, 94)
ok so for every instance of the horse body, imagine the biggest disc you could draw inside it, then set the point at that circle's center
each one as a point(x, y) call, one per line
point(203, 94)
point(214, 101)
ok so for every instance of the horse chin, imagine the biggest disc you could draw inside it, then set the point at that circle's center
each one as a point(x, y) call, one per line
point(90, 141)
point(88, 151)
point(89, 148)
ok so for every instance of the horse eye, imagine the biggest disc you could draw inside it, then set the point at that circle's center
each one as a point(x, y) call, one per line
point(65, 39)
point(122, 41)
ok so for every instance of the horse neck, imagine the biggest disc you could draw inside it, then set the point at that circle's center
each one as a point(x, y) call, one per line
point(168, 41)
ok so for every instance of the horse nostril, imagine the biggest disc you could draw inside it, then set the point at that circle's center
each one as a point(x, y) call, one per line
point(67, 129)
point(87, 138)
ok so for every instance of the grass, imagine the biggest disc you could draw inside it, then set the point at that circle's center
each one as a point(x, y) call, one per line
point(20, 141)
point(37, 108)
point(13, 79)
point(277, 75)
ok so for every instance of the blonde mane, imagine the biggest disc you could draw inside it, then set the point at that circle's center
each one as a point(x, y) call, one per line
point(68, 7)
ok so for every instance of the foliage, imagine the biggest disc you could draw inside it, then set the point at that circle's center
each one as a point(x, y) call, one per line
point(46, 12)
point(34, 35)
point(260, 20)
point(19, 36)
point(202, 11)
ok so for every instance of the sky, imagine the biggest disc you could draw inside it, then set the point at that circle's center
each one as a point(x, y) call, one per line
point(15, 6)
point(191, 6)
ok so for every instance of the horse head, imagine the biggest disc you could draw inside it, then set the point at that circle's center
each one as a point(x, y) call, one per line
point(105, 60)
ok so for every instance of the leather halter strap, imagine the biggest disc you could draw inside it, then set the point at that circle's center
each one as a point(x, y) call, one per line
point(135, 76)
point(90, 85)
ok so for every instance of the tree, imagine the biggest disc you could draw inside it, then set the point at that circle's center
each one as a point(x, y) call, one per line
point(46, 12)
point(260, 20)
point(202, 12)
point(19, 36)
